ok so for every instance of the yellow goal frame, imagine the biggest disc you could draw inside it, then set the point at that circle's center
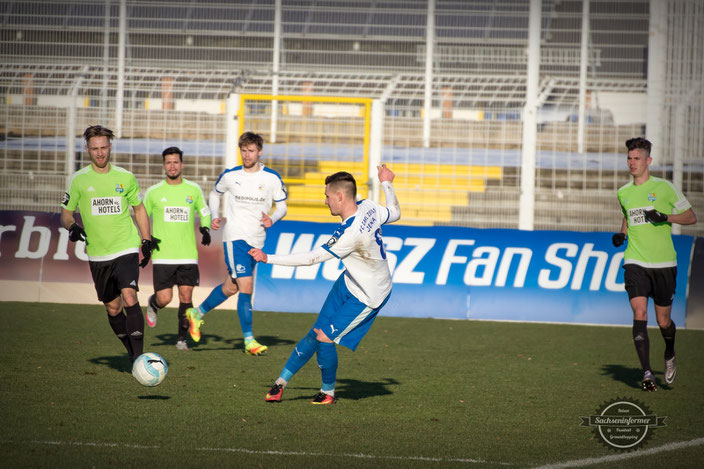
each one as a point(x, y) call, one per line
point(367, 102)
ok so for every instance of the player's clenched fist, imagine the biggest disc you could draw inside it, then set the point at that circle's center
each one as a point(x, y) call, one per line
point(258, 255)
point(385, 174)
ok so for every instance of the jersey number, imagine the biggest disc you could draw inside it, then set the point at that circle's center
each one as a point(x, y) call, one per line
point(380, 242)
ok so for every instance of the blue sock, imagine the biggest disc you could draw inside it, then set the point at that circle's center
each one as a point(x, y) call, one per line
point(244, 311)
point(215, 299)
point(327, 361)
point(300, 355)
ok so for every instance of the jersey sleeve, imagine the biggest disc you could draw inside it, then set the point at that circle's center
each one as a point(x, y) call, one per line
point(280, 193)
point(678, 201)
point(71, 196)
point(221, 184)
point(342, 243)
point(148, 204)
point(202, 209)
point(133, 196)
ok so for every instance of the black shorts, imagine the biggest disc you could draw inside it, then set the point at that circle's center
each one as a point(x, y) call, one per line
point(659, 284)
point(168, 275)
point(110, 277)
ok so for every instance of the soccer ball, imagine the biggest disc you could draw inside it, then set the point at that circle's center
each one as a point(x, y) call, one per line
point(149, 369)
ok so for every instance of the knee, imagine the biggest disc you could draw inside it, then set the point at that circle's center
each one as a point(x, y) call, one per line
point(184, 297)
point(664, 323)
point(229, 289)
point(321, 337)
point(163, 297)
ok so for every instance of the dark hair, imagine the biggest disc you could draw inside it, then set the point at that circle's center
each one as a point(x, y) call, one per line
point(248, 138)
point(97, 131)
point(639, 143)
point(344, 181)
point(171, 151)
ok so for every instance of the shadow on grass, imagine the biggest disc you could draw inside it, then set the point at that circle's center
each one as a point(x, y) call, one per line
point(625, 374)
point(154, 398)
point(116, 362)
point(215, 342)
point(354, 389)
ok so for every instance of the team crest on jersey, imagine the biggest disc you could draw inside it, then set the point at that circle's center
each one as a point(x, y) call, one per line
point(651, 196)
point(65, 198)
point(119, 188)
point(331, 241)
point(260, 187)
point(189, 199)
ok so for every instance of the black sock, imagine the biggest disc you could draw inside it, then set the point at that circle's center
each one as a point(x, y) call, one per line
point(119, 327)
point(135, 328)
point(669, 335)
point(642, 343)
point(182, 321)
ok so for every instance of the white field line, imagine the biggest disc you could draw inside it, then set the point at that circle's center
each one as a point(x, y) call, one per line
point(624, 456)
point(573, 463)
point(266, 452)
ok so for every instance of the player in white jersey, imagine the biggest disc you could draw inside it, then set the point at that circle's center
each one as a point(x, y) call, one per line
point(361, 290)
point(250, 189)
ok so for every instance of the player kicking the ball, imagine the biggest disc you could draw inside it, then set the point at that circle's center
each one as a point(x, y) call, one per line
point(361, 290)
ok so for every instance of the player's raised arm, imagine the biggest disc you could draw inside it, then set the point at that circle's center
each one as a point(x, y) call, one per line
point(386, 177)
point(315, 256)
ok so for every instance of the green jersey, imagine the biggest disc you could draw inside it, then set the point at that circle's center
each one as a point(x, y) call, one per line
point(173, 208)
point(650, 245)
point(103, 200)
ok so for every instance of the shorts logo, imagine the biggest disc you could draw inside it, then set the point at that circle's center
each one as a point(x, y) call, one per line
point(119, 188)
point(239, 268)
point(189, 199)
point(65, 198)
point(651, 196)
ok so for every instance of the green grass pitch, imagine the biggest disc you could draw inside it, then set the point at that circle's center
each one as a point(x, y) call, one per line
point(418, 393)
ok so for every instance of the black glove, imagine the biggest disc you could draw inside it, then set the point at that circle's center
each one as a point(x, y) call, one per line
point(76, 233)
point(148, 245)
point(653, 216)
point(618, 239)
point(205, 231)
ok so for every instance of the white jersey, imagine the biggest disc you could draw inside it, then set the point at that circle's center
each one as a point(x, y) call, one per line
point(248, 195)
point(357, 242)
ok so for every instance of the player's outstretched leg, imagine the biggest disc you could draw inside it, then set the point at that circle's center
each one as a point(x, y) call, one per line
point(648, 383)
point(275, 393)
point(302, 352)
point(135, 328)
point(327, 362)
point(152, 310)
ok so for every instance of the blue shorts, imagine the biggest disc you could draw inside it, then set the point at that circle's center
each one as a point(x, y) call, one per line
point(345, 319)
point(239, 262)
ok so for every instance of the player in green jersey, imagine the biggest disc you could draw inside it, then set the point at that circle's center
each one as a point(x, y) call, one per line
point(173, 204)
point(103, 194)
point(650, 205)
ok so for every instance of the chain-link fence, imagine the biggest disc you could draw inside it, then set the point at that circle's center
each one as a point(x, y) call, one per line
point(168, 84)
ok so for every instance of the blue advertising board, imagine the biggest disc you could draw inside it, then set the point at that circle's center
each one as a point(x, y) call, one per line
point(466, 273)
